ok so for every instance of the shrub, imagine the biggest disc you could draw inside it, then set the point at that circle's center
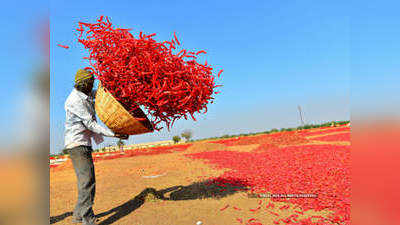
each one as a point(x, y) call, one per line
point(176, 138)
point(274, 130)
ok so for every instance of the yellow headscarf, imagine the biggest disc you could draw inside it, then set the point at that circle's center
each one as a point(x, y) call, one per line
point(82, 75)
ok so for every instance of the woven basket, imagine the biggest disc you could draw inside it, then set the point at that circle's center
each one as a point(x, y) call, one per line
point(117, 118)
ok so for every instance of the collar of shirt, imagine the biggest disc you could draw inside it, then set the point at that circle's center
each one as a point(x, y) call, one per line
point(83, 95)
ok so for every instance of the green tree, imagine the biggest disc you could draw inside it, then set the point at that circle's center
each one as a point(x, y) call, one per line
point(176, 138)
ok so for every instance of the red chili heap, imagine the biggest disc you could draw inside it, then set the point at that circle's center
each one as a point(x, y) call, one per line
point(143, 72)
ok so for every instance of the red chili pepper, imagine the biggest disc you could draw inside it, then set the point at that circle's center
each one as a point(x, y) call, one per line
point(176, 39)
point(253, 210)
point(236, 208)
point(273, 213)
point(284, 207)
point(220, 72)
point(63, 46)
point(319, 217)
point(299, 212)
point(222, 209)
point(202, 51)
point(250, 220)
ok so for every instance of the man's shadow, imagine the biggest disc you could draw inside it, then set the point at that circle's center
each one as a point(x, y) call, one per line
point(55, 219)
point(216, 188)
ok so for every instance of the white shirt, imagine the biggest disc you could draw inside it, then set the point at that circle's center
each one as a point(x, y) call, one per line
point(80, 121)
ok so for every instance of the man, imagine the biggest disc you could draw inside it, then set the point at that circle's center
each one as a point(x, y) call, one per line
point(80, 127)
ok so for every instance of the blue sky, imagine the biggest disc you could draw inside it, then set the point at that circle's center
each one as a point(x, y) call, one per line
point(21, 59)
point(375, 48)
point(275, 57)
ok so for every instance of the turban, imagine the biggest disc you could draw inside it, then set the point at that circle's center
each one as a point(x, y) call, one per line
point(82, 75)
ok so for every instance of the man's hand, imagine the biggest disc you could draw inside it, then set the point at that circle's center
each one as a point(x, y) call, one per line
point(122, 136)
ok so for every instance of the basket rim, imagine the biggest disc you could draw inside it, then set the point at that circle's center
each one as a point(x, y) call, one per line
point(144, 121)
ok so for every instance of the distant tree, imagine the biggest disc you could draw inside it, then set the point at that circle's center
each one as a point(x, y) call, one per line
point(176, 138)
point(187, 134)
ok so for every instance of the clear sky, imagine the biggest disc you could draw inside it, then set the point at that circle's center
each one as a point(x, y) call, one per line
point(275, 55)
point(20, 60)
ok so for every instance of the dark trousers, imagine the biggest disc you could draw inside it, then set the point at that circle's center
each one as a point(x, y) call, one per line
point(82, 160)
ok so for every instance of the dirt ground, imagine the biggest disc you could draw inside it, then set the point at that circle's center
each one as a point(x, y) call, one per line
point(161, 189)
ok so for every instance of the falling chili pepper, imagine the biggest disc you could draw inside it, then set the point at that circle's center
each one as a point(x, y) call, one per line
point(63, 46)
point(220, 72)
point(202, 51)
point(176, 39)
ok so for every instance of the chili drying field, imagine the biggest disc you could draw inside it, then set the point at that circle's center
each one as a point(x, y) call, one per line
point(292, 177)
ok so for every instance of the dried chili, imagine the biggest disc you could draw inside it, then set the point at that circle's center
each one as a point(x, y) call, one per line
point(139, 71)
point(63, 46)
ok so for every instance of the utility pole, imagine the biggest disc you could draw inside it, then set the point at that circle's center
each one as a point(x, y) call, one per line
point(301, 115)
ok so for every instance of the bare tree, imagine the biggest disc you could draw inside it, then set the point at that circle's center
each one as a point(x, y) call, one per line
point(187, 134)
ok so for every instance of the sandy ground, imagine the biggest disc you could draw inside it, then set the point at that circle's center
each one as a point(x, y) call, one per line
point(163, 189)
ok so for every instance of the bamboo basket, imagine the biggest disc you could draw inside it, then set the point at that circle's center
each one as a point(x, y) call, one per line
point(117, 118)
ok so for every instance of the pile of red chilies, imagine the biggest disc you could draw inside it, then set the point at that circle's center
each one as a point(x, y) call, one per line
point(139, 71)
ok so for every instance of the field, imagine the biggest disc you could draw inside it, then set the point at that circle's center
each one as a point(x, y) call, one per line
point(291, 177)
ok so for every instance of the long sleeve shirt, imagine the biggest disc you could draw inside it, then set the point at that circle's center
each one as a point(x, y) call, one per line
point(80, 121)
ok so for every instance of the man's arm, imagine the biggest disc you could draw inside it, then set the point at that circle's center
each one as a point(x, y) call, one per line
point(82, 112)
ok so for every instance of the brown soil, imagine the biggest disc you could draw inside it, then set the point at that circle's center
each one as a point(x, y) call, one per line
point(178, 196)
point(243, 148)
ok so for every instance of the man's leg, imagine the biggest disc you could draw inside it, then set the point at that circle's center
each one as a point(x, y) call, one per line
point(83, 164)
